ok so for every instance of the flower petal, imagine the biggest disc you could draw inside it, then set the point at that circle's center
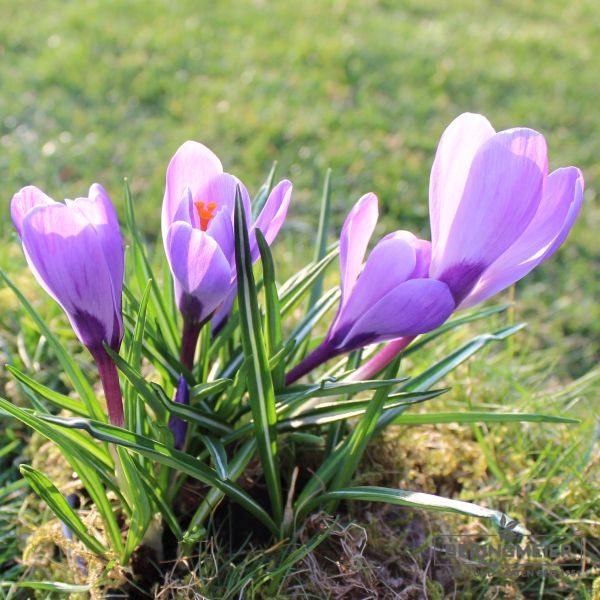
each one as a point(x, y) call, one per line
point(458, 146)
point(67, 258)
point(23, 201)
point(413, 307)
point(502, 194)
point(99, 210)
point(272, 216)
point(221, 190)
point(547, 231)
point(390, 263)
point(354, 239)
point(221, 230)
point(191, 166)
point(200, 270)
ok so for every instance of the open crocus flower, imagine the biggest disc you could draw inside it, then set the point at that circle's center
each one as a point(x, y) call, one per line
point(197, 230)
point(392, 297)
point(495, 212)
point(75, 251)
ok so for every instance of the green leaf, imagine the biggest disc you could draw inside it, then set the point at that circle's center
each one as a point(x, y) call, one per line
point(73, 372)
point(258, 202)
point(144, 273)
point(416, 500)
point(218, 455)
point(260, 383)
point(46, 490)
point(479, 417)
point(321, 241)
point(48, 586)
point(274, 339)
point(167, 456)
point(60, 400)
point(296, 288)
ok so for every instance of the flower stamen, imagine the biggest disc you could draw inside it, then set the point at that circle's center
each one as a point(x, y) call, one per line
point(205, 212)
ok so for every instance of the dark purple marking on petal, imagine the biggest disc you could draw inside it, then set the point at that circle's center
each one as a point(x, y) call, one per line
point(461, 279)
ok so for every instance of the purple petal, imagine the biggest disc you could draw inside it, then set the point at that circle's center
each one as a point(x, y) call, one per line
point(457, 148)
point(501, 196)
point(413, 307)
point(547, 231)
point(186, 211)
point(66, 257)
point(272, 216)
point(99, 210)
point(354, 239)
point(191, 166)
point(220, 317)
point(221, 230)
point(390, 263)
point(201, 272)
point(221, 190)
point(23, 201)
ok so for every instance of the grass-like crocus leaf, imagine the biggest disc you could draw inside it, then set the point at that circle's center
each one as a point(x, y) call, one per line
point(55, 398)
point(479, 417)
point(416, 500)
point(48, 492)
point(70, 367)
point(170, 457)
point(48, 586)
point(274, 337)
point(298, 286)
point(260, 382)
point(144, 273)
point(258, 202)
point(322, 233)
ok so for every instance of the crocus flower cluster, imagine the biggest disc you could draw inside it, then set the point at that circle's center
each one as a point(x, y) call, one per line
point(197, 230)
point(495, 212)
point(75, 251)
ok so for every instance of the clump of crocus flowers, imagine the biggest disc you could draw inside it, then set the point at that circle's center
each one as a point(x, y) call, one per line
point(495, 215)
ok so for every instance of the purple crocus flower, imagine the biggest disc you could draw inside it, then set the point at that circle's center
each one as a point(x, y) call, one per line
point(392, 297)
point(177, 425)
point(75, 251)
point(197, 230)
point(495, 212)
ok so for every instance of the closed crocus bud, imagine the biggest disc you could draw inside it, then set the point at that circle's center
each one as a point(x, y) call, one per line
point(391, 297)
point(495, 212)
point(197, 230)
point(75, 252)
point(177, 425)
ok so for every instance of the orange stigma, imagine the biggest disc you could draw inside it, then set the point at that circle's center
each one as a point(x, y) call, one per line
point(205, 212)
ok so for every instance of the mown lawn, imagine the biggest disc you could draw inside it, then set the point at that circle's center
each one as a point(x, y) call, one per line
point(96, 91)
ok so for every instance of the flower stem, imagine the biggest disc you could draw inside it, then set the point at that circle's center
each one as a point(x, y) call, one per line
point(110, 382)
point(317, 357)
point(381, 359)
point(189, 341)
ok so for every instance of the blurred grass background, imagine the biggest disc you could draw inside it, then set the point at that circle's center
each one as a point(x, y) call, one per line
point(99, 90)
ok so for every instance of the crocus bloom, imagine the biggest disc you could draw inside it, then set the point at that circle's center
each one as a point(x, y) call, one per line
point(392, 297)
point(495, 212)
point(177, 425)
point(75, 251)
point(197, 230)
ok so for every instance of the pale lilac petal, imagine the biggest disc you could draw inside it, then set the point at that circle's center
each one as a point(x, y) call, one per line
point(547, 231)
point(220, 317)
point(186, 211)
point(101, 213)
point(191, 166)
point(200, 270)
point(390, 263)
point(221, 190)
point(354, 239)
point(457, 148)
point(67, 258)
point(501, 196)
point(220, 229)
point(413, 307)
point(23, 201)
point(272, 216)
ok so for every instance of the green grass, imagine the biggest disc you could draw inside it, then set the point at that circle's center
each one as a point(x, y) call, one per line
point(95, 91)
